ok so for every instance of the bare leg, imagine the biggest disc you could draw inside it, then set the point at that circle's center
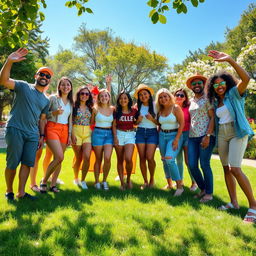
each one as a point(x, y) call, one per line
point(56, 173)
point(23, 176)
point(107, 160)
point(143, 167)
point(33, 170)
point(9, 178)
point(120, 164)
point(128, 153)
point(245, 185)
point(231, 185)
point(150, 156)
point(58, 155)
point(78, 159)
point(86, 149)
point(47, 158)
point(98, 150)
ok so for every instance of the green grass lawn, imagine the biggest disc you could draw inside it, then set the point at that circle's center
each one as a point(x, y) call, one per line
point(114, 222)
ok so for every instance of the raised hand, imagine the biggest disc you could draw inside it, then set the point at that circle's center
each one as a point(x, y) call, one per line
point(18, 55)
point(219, 56)
point(108, 79)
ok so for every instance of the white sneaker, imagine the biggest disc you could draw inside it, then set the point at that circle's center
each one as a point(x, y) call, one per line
point(76, 182)
point(178, 192)
point(83, 185)
point(97, 186)
point(105, 185)
point(59, 181)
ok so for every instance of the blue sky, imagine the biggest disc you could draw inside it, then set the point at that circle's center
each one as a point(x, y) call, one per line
point(129, 20)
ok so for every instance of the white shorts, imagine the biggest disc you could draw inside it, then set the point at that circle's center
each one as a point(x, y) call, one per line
point(125, 137)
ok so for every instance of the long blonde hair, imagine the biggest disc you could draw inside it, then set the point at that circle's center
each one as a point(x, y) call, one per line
point(163, 90)
point(98, 98)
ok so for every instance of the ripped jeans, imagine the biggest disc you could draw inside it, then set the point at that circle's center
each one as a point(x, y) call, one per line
point(165, 145)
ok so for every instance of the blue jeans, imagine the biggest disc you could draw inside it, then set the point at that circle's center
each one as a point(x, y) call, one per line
point(197, 153)
point(165, 145)
point(179, 158)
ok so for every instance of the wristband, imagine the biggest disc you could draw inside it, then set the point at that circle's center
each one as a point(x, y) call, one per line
point(42, 135)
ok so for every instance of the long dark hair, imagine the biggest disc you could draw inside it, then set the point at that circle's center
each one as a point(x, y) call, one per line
point(150, 105)
point(186, 102)
point(89, 102)
point(70, 94)
point(118, 105)
point(230, 80)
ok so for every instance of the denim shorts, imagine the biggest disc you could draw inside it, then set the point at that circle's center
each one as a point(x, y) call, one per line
point(21, 147)
point(125, 137)
point(101, 137)
point(146, 136)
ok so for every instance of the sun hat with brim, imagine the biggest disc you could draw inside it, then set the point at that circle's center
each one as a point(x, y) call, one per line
point(45, 69)
point(142, 87)
point(194, 77)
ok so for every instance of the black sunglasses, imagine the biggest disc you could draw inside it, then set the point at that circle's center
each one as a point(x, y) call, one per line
point(180, 95)
point(84, 93)
point(44, 75)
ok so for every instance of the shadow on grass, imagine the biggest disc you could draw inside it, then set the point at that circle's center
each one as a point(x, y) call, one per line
point(23, 237)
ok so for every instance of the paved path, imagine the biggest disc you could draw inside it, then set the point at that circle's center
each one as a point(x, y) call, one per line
point(2, 141)
point(248, 162)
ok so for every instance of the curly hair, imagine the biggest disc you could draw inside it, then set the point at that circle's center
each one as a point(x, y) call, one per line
point(89, 102)
point(186, 102)
point(150, 105)
point(230, 80)
point(118, 105)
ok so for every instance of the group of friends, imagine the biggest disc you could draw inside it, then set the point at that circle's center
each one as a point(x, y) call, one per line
point(178, 126)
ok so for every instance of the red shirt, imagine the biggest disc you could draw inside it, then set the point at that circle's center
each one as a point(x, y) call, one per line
point(186, 119)
point(125, 121)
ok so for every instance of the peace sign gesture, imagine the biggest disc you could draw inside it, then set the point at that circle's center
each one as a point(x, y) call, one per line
point(18, 55)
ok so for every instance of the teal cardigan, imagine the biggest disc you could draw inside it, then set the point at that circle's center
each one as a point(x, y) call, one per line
point(235, 105)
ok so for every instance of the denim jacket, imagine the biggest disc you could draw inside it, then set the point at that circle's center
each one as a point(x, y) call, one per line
point(235, 105)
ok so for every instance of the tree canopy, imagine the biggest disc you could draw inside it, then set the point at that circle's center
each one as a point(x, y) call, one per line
point(18, 17)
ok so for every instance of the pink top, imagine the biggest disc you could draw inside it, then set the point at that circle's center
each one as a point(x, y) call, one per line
point(186, 119)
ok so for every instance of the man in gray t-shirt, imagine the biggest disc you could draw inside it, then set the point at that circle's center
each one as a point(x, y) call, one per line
point(29, 109)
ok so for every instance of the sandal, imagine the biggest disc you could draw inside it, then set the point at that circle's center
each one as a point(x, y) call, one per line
point(250, 218)
point(54, 189)
point(226, 207)
point(178, 192)
point(205, 199)
point(35, 188)
point(43, 188)
point(200, 194)
point(145, 185)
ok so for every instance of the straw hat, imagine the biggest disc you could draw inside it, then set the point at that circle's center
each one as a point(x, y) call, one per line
point(142, 87)
point(196, 76)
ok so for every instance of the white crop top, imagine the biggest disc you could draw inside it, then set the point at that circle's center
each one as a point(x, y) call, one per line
point(224, 115)
point(103, 121)
point(63, 118)
point(168, 122)
point(145, 123)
